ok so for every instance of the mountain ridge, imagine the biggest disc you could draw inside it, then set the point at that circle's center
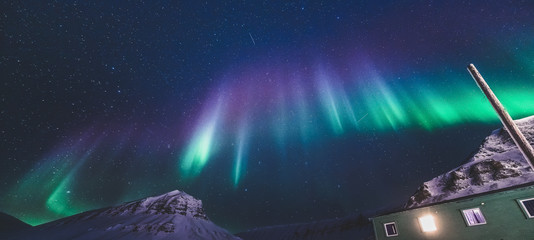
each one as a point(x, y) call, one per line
point(173, 215)
point(496, 164)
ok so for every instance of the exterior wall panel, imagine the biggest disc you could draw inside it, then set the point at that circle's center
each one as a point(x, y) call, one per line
point(504, 216)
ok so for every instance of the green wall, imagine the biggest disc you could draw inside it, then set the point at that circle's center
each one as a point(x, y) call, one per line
point(505, 219)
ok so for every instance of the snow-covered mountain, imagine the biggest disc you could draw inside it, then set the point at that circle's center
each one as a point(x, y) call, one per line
point(174, 215)
point(497, 164)
point(351, 227)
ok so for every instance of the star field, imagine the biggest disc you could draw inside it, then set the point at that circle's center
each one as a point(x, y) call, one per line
point(270, 112)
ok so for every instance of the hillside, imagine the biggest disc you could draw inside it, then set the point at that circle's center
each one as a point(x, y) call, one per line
point(174, 215)
point(497, 164)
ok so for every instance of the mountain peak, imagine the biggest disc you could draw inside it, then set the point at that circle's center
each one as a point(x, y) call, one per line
point(174, 202)
point(497, 164)
point(173, 215)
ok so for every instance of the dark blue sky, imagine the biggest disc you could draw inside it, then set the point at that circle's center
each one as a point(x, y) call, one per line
point(270, 112)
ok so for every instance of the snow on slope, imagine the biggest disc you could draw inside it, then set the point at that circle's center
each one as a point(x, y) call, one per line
point(497, 164)
point(174, 215)
point(352, 227)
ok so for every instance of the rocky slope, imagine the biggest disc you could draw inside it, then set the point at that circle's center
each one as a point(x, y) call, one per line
point(174, 215)
point(497, 164)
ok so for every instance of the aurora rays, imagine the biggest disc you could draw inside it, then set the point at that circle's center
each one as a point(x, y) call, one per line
point(241, 155)
point(200, 148)
point(59, 200)
point(363, 103)
point(288, 111)
point(331, 106)
point(330, 110)
point(53, 181)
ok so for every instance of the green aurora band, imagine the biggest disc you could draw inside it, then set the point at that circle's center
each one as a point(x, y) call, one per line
point(375, 105)
point(361, 104)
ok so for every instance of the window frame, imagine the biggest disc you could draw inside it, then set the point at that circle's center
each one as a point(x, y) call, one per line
point(524, 208)
point(386, 229)
point(467, 220)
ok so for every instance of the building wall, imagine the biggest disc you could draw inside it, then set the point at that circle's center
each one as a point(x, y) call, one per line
point(504, 216)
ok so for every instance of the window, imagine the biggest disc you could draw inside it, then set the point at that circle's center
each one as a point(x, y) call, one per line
point(427, 223)
point(391, 229)
point(474, 217)
point(528, 205)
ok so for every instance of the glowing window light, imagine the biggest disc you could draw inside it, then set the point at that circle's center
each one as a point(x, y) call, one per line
point(427, 223)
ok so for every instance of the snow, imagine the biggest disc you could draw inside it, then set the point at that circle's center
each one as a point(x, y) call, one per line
point(497, 164)
point(174, 215)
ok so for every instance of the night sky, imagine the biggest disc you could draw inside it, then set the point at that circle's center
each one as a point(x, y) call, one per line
point(271, 112)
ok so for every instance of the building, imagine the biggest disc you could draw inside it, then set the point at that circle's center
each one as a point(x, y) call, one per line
point(501, 214)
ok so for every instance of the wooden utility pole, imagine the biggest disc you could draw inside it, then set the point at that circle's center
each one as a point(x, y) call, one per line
point(506, 120)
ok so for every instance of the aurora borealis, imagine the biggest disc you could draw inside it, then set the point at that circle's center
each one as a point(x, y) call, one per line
point(270, 112)
point(320, 104)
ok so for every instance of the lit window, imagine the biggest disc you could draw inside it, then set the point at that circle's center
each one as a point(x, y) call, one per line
point(474, 216)
point(427, 223)
point(391, 229)
point(528, 205)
